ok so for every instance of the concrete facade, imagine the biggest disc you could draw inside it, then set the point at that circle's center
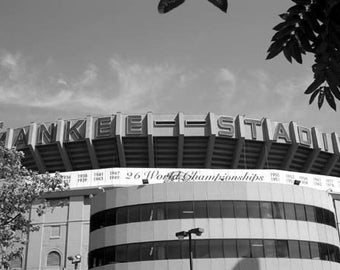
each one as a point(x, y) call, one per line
point(215, 228)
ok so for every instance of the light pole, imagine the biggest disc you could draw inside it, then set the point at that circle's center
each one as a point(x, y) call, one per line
point(181, 235)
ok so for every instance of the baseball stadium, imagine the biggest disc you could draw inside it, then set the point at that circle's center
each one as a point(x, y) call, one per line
point(177, 191)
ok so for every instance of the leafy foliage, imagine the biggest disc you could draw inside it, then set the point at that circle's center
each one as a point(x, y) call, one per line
point(165, 6)
point(313, 26)
point(19, 189)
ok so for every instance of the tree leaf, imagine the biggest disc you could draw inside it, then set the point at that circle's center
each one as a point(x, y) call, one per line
point(314, 85)
point(275, 48)
point(165, 6)
point(287, 51)
point(330, 98)
point(303, 40)
point(312, 97)
point(305, 27)
point(221, 4)
point(283, 33)
point(302, 2)
point(321, 99)
point(297, 9)
point(333, 85)
point(296, 51)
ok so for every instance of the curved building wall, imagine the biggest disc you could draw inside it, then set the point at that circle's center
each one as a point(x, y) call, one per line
point(110, 240)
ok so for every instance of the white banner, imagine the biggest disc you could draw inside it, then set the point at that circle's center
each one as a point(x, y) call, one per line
point(118, 177)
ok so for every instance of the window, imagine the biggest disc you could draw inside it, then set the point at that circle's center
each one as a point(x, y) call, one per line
point(201, 249)
point(229, 247)
point(200, 209)
point(187, 210)
point(172, 210)
point(146, 251)
point(121, 253)
point(121, 215)
point(282, 248)
point(310, 213)
point(240, 209)
point(243, 249)
point(53, 259)
point(294, 249)
point(146, 212)
point(253, 209)
point(110, 217)
point(319, 215)
point(216, 248)
point(300, 212)
point(227, 209)
point(159, 211)
point(133, 253)
point(133, 213)
point(256, 246)
point(159, 251)
point(278, 210)
point(214, 209)
point(173, 249)
point(266, 210)
point(269, 248)
point(314, 250)
point(289, 211)
point(55, 231)
point(304, 248)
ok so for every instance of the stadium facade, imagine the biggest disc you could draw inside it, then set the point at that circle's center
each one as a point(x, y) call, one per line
point(266, 193)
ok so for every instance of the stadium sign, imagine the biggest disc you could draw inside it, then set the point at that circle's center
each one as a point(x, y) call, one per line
point(119, 125)
point(118, 177)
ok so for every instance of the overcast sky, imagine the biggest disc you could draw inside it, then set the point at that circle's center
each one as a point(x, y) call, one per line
point(72, 58)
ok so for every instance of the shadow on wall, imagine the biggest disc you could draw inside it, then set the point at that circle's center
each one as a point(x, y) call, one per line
point(247, 264)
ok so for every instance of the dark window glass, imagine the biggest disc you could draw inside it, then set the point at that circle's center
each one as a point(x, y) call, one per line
point(266, 210)
point(332, 219)
point(300, 212)
point(229, 247)
point(172, 210)
point(227, 209)
point(216, 248)
point(310, 213)
point(319, 215)
point(146, 251)
point(243, 248)
point(187, 210)
point(289, 211)
point(184, 249)
point(256, 246)
point(294, 249)
point(173, 249)
point(337, 254)
point(98, 259)
point(201, 249)
point(240, 209)
point(200, 209)
point(53, 259)
point(121, 215)
point(159, 211)
point(109, 255)
point(314, 250)
point(305, 251)
point(253, 209)
point(133, 253)
point(214, 210)
point(159, 252)
point(331, 251)
point(282, 248)
point(326, 217)
point(133, 213)
point(121, 253)
point(146, 212)
point(110, 217)
point(323, 251)
point(16, 262)
point(278, 210)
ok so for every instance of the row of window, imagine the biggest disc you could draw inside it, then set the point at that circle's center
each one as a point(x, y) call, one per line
point(214, 248)
point(211, 209)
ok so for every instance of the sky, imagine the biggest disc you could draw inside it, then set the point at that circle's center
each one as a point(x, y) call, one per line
point(72, 58)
